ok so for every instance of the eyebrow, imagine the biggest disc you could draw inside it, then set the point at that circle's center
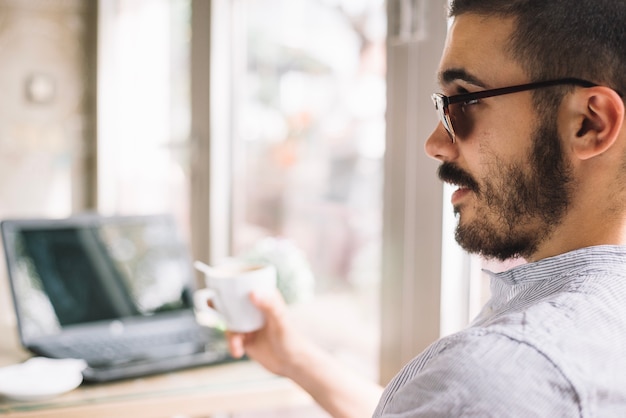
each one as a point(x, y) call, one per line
point(458, 74)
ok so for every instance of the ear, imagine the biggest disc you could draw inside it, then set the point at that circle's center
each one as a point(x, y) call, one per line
point(596, 118)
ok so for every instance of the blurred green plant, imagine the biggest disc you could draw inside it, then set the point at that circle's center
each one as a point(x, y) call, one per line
point(295, 279)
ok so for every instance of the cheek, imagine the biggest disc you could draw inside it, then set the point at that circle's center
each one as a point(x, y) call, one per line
point(498, 173)
point(507, 129)
point(502, 146)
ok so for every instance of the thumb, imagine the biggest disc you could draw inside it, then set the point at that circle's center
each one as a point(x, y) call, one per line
point(269, 303)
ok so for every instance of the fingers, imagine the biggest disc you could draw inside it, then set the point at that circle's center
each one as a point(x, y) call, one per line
point(273, 307)
point(235, 344)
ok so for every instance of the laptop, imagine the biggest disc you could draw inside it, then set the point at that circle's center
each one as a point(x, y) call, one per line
point(115, 291)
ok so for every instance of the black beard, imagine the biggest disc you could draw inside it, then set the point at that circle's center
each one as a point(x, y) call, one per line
point(522, 207)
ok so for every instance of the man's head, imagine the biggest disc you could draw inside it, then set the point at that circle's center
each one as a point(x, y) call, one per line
point(523, 161)
point(557, 38)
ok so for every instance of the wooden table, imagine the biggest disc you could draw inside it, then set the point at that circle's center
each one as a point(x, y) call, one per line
point(223, 389)
point(215, 390)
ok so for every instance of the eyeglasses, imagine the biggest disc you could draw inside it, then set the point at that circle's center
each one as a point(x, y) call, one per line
point(442, 103)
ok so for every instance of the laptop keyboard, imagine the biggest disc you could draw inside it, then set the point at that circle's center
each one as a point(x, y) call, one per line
point(116, 350)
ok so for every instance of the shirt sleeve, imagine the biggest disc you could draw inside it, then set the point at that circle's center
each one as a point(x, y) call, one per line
point(488, 375)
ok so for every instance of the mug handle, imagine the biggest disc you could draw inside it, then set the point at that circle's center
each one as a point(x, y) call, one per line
point(200, 299)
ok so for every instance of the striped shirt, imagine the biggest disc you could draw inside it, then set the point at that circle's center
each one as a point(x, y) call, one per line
point(551, 342)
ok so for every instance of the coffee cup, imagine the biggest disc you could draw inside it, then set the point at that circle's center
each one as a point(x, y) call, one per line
point(227, 293)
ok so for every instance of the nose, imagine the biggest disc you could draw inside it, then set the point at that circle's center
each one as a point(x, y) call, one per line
point(439, 146)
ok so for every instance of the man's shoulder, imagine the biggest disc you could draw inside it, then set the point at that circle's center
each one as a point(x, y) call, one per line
point(484, 351)
point(477, 371)
point(482, 366)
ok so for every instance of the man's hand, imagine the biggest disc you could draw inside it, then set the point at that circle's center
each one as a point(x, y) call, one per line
point(276, 346)
point(282, 350)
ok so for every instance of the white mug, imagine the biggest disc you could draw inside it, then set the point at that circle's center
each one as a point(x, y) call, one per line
point(228, 289)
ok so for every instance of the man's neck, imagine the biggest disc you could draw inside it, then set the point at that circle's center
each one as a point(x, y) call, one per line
point(579, 230)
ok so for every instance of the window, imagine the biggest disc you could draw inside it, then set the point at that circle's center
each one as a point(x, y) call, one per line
point(144, 108)
point(281, 139)
point(307, 139)
point(284, 148)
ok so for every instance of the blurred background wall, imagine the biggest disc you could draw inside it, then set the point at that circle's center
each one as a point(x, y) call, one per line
point(47, 112)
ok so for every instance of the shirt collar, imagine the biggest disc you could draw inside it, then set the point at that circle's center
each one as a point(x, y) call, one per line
point(598, 258)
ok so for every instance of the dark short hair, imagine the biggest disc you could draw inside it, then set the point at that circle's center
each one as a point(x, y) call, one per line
point(562, 38)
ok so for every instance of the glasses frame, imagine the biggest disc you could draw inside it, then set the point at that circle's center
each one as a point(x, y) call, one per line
point(442, 102)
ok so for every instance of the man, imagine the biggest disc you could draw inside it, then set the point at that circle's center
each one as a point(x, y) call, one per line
point(532, 132)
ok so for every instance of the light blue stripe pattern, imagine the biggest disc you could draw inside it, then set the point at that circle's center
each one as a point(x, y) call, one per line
point(551, 342)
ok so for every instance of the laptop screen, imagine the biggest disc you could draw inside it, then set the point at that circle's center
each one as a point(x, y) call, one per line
point(91, 268)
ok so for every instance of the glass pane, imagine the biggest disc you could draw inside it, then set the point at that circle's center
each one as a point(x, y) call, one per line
point(143, 112)
point(310, 131)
